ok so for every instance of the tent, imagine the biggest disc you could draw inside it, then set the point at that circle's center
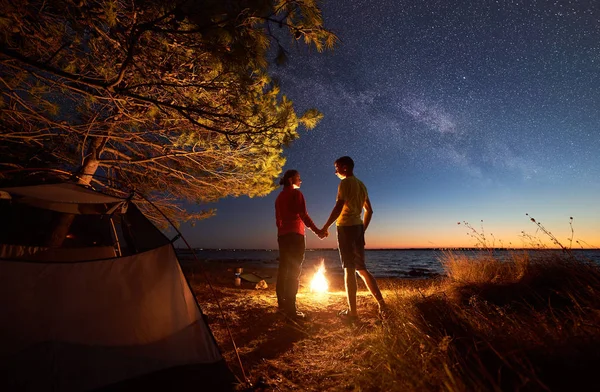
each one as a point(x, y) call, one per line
point(109, 309)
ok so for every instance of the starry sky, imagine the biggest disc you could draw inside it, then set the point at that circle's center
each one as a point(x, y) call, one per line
point(453, 111)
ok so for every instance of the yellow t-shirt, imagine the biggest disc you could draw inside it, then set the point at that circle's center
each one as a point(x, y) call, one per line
point(354, 194)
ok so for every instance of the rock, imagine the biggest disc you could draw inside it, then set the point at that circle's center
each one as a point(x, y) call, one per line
point(261, 285)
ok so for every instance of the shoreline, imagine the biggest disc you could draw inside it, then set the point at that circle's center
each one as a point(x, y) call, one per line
point(269, 268)
point(222, 273)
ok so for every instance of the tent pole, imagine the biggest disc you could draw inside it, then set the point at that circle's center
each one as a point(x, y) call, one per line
point(112, 223)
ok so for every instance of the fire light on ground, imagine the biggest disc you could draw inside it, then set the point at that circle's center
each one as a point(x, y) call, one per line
point(319, 283)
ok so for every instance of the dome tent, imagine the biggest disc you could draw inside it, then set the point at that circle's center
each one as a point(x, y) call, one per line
point(108, 309)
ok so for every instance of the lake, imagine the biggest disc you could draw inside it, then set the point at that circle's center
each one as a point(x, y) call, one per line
point(414, 263)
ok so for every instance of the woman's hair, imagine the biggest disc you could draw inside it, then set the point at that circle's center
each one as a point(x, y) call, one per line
point(285, 180)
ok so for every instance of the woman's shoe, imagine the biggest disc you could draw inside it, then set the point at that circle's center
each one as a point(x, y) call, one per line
point(295, 315)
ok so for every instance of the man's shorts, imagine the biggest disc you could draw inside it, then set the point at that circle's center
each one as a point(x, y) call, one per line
point(351, 242)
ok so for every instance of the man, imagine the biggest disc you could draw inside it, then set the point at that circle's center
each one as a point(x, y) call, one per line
point(352, 198)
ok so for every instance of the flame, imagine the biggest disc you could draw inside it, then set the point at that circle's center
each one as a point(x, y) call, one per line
point(319, 282)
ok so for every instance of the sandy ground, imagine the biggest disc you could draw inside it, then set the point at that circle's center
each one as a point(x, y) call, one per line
point(278, 354)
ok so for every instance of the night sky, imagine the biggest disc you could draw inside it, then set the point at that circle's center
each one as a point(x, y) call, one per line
point(453, 111)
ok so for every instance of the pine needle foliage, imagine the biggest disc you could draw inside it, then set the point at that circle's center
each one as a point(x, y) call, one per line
point(171, 98)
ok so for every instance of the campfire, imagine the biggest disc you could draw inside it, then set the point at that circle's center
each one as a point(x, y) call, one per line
point(319, 282)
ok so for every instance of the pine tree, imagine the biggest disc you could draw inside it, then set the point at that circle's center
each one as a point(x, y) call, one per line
point(171, 98)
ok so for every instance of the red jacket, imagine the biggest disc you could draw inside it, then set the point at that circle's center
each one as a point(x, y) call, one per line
point(290, 212)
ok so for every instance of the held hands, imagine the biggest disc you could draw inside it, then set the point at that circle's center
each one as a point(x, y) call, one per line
point(322, 233)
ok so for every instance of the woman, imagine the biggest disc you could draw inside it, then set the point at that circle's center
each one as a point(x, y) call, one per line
point(291, 218)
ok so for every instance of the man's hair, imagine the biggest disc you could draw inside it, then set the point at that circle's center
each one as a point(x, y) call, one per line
point(346, 161)
point(286, 177)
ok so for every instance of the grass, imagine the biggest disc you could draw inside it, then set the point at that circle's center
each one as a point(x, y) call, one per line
point(489, 325)
point(521, 324)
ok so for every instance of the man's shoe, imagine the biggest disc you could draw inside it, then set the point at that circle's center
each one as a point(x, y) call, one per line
point(384, 313)
point(347, 317)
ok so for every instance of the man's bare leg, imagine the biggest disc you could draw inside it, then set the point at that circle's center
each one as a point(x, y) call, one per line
point(371, 284)
point(351, 288)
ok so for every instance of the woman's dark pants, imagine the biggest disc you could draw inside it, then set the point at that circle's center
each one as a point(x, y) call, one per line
point(291, 256)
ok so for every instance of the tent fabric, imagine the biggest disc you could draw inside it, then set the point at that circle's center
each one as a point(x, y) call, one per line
point(63, 197)
point(37, 253)
point(109, 309)
point(25, 231)
point(212, 377)
point(125, 316)
point(62, 193)
point(78, 367)
point(19, 251)
point(140, 235)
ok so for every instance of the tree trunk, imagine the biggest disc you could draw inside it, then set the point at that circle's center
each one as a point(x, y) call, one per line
point(90, 164)
point(92, 160)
